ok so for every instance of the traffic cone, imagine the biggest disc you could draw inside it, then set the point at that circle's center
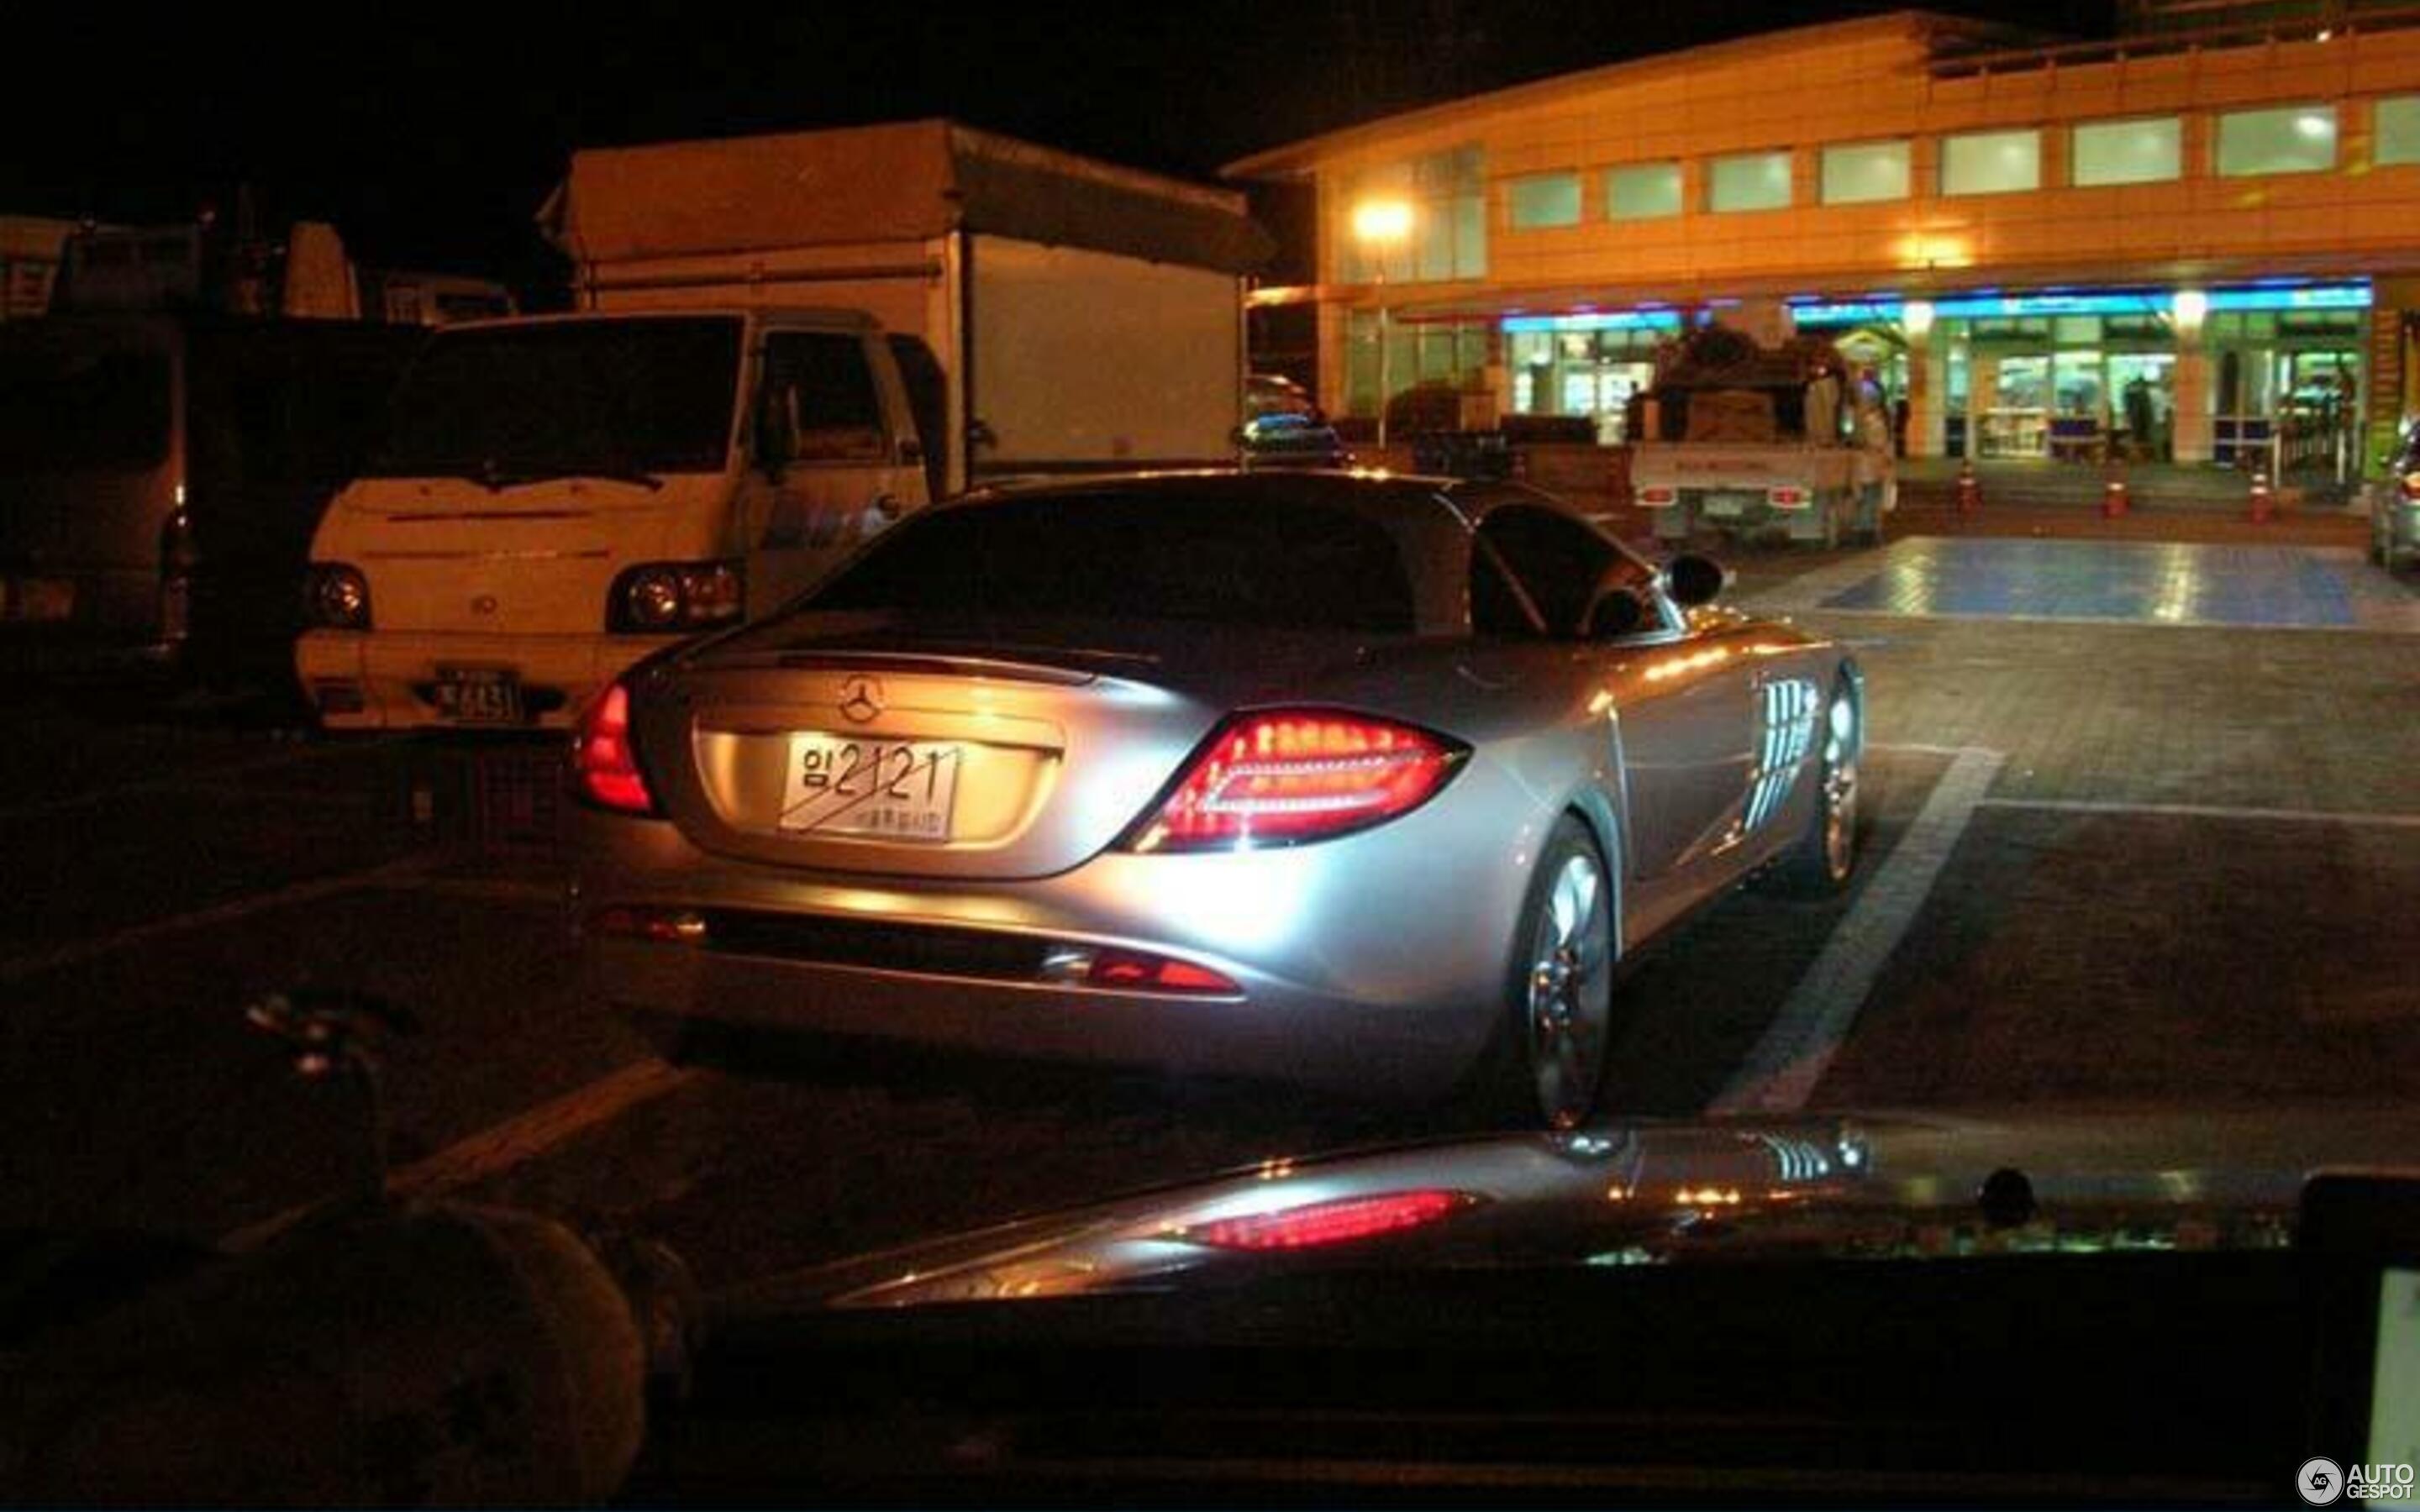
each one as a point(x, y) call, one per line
point(1970, 492)
point(2263, 502)
point(2112, 495)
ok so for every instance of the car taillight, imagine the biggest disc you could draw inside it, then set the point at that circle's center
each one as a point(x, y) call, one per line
point(1658, 497)
point(1786, 497)
point(1291, 775)
point(1337, 1221)
point(604, 766)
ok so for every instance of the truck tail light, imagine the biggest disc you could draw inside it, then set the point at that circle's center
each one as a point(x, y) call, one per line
point(1285, 776)
point(2411, 486)
point(1658, 496)
point(1787, 498)
point(604, 763)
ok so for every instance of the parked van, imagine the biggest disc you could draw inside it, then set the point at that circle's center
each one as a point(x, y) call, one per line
point(557, 496)
point(161, 476)
point(783, 344)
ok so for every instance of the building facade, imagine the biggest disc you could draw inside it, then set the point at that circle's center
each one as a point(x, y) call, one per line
point(2188, 246)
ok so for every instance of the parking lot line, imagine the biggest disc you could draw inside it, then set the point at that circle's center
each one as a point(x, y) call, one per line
point(1781, 1072)
point(188, 782)
point(76, 952)
point(2205, 810)
point(500, 1146)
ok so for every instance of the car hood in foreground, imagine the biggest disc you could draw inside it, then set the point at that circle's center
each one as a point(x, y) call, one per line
point(1881, 1187)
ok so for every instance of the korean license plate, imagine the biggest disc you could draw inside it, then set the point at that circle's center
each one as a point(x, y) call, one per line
point(479, 695)
point(1730, 505)
point(893, 789)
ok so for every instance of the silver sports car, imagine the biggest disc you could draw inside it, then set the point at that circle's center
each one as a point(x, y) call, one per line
point(1358, 780)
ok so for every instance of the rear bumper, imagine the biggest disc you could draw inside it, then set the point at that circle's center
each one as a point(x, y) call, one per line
point(382, 680)
point(1363, 964)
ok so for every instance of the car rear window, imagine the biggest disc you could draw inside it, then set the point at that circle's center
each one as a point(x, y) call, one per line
point(1140, 556)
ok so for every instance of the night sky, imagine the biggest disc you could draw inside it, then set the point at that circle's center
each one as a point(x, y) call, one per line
point(430, 134)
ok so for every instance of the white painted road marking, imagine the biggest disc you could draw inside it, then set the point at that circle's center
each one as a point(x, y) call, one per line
point(79, 951)
point(1781, 1073)
point(205, 777)
point(406, 875)
point(2204, 810)
point(500, 1147)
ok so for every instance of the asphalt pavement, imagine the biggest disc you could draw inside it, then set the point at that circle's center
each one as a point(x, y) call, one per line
point(2122, 848)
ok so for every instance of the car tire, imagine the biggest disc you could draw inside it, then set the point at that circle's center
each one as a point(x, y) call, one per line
point(1545, 1065)
point(1824, 856)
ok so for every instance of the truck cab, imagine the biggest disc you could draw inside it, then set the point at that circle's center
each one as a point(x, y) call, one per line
point(559, 496)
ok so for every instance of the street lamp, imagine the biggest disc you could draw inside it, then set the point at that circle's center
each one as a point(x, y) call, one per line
point(1380, 225)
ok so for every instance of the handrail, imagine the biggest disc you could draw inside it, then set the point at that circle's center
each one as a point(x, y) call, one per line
point(2151, 44)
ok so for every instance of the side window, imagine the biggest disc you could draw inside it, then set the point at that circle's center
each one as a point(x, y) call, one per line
point(1559, 562)
point(825, 386)
point(1497, 611)
point(928, 401)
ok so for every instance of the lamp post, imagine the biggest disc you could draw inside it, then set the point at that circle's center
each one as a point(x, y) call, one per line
point(1380, 225)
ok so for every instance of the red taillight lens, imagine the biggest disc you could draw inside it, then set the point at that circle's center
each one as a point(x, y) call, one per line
point(1786, 497)
point(1657, 497)
point(1289, 776)
point(1338, 1220)
point(604, 767)
point(2412, 486)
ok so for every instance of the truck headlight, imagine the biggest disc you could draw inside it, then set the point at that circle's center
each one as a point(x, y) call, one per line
point(661, 597)
point(337, 597)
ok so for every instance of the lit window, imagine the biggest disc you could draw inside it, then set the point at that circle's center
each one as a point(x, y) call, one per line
point(2399, 130)
point(2295, 139)
point(1546, 199)
point(1644, 192)
point(2127, 152)
point(1748, 181)
point(1865, 171)
point(1448, 193)
point(1991, 162)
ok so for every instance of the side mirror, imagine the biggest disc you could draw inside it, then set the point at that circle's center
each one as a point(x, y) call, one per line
point(1616, 612)
point(775, 444)
point(1694, 581)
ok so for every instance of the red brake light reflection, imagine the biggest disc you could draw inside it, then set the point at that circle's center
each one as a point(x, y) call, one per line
point(1338, 1221)
point(604, 767)
point(1298, 775)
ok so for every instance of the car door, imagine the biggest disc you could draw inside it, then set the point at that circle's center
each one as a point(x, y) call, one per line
point(838, 454)
point(1682, 710)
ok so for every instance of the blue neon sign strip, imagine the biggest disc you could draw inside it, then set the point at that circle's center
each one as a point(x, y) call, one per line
point(2313, 297)
point(1602, 320)
point(1981, 307)
point(1847, 313)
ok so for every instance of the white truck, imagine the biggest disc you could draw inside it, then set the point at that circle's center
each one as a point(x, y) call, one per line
point(783, 344)
point(1742, 438)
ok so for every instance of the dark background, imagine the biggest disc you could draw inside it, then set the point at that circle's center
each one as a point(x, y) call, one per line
point(430, 134)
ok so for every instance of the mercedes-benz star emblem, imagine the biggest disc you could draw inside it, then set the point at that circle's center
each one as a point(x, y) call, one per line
point(860, 698)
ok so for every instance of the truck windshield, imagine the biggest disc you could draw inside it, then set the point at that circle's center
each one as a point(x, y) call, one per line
point(68, 405)
point(552, 398)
